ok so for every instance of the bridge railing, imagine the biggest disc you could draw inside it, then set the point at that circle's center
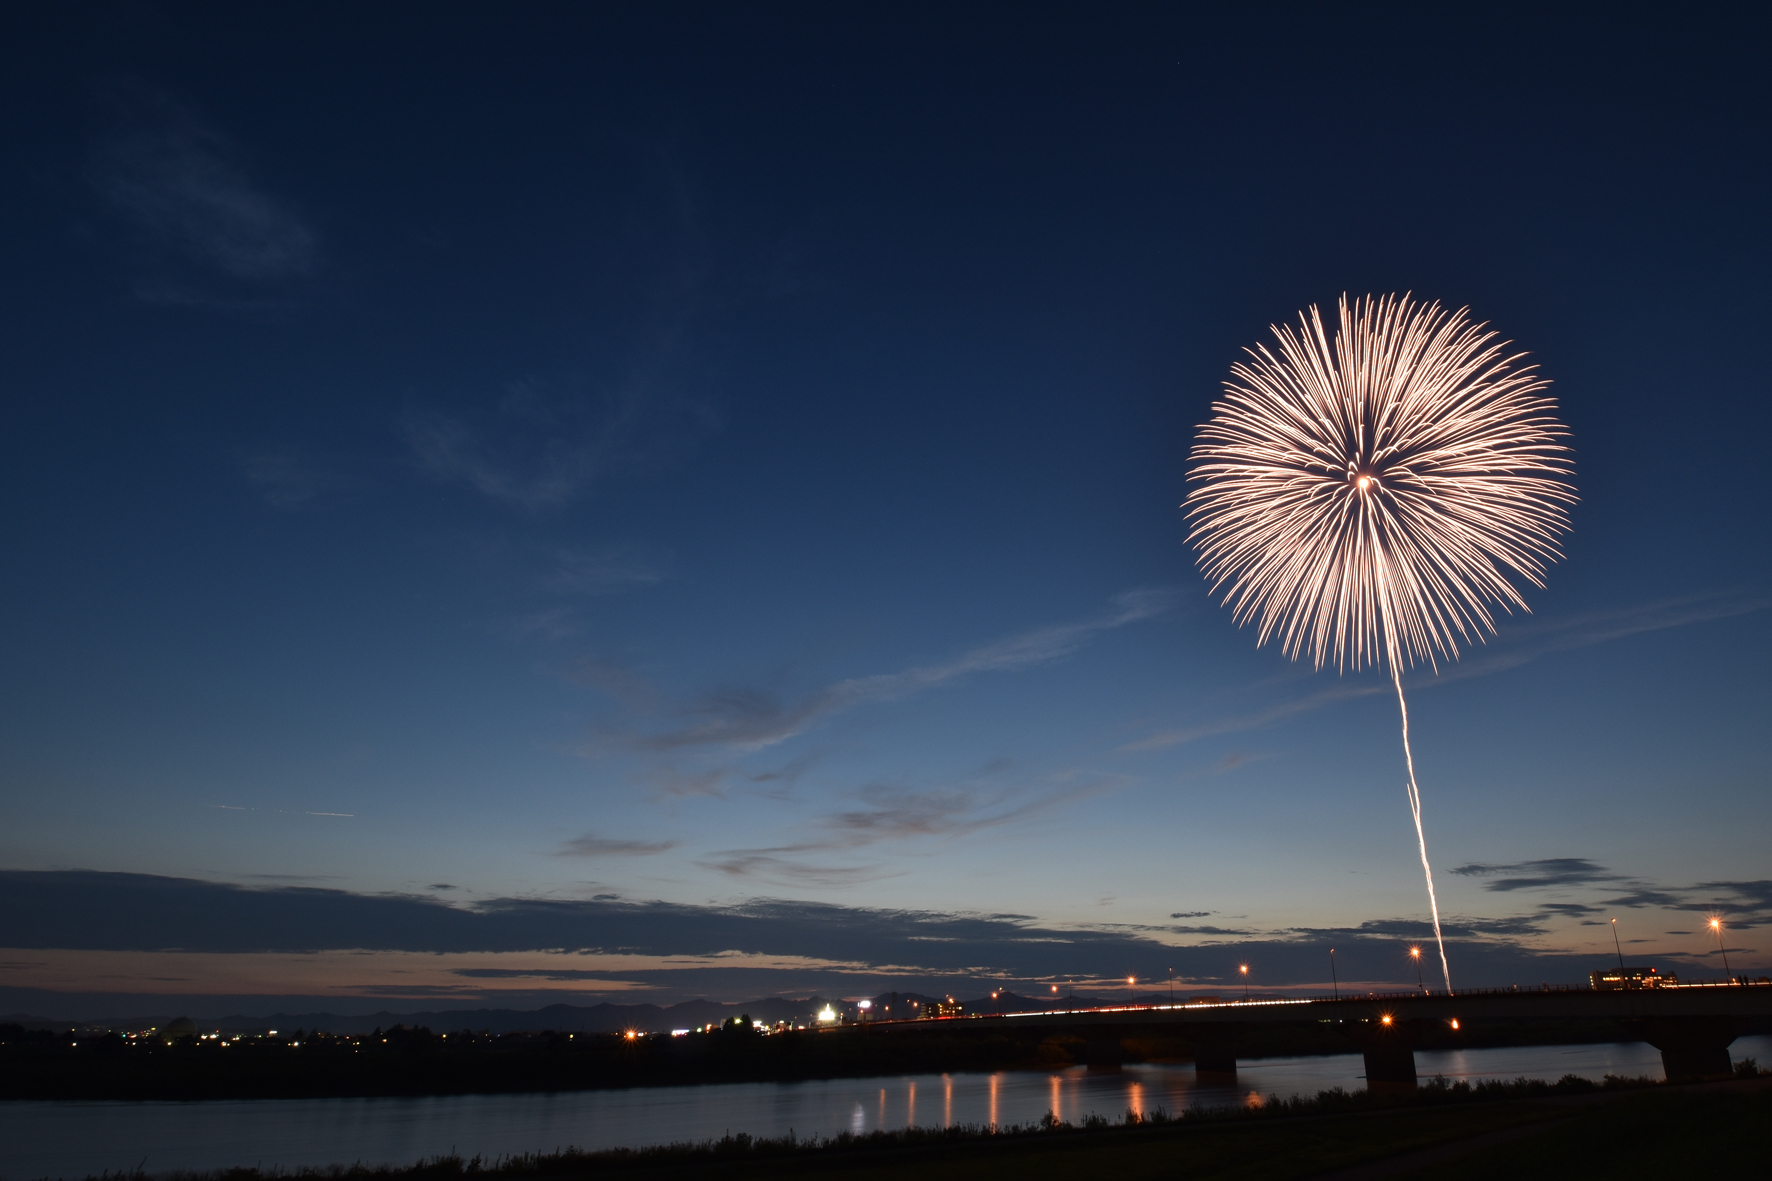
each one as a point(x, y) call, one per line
point(1351, 996)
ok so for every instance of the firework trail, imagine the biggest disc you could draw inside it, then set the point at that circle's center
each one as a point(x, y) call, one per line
point(1365, 496)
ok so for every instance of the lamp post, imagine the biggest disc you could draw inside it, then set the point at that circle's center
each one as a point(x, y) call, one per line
point(1415, 954)
point(1244, 968)
point(1171, 987)
point(1716, 925)
point(1334, 984)
point(1620, 949)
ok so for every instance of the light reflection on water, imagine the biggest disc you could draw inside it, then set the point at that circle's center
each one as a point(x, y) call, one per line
point(77, 1139)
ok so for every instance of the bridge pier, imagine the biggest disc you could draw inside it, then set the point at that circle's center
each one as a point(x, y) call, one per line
point(1215, 1053)
point(1389, 1049)
point(1691, 1047)
point(1102, 1051)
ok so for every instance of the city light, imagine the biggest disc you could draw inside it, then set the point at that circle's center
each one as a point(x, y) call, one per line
point(1716, 926)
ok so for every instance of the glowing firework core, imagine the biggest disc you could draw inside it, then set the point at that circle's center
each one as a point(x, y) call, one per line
point(1475, 491)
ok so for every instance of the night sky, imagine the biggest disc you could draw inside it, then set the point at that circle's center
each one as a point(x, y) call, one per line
point(516, 503)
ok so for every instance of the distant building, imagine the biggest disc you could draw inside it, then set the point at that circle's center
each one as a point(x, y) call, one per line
point(1612, 979)
point(947, 1008)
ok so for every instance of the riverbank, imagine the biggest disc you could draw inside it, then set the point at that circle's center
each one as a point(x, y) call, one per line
point(1523, 1129)
point(419, 1062)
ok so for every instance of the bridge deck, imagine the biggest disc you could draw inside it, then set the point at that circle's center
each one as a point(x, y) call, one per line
point(1721, 1000)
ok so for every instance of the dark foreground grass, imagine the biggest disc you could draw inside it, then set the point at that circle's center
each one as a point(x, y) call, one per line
point(1561, 1129)
point(1688, 1132)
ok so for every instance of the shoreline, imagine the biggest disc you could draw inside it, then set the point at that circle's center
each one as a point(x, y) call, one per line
point(1347, 1131)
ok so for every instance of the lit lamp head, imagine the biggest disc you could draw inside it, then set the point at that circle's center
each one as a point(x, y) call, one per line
point(1416, 952)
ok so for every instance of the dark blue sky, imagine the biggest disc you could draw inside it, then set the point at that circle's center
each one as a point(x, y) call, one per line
point(681, 460)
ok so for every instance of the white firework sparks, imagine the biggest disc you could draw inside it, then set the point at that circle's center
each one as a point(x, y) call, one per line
point(1367, 497)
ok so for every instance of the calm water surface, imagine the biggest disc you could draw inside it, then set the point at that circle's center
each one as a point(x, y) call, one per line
point(75, 1140)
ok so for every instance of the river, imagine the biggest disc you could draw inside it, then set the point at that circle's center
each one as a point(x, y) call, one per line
point(75, 1140)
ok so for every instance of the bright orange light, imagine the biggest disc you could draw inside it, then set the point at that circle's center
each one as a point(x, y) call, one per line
point(1455, 1023)
point(631, 1035)
point(1243, 968)
point(1416, 952)
point(1129, 980)
point(1364, 482)
point(1714, 924)
point(1055, 988)
point(1386, 1019)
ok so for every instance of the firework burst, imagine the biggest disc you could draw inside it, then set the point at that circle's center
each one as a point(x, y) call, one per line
point(1369, 496)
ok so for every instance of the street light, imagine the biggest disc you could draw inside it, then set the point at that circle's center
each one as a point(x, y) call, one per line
point(1244, 968)
point(1415, 954)
point(1620, 949)
point(1716, 925)
point(1171, 987)
point(1334, 984)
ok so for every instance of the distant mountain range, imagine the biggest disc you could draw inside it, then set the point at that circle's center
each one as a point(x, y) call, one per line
point(599, 1018)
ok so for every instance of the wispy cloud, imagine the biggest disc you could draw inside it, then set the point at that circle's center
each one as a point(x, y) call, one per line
point(1527, 641)
point(751, 719)
point(1255, 720)
point(1749, 903)
point(1536, 875)
point(786, 775)
point(894, 814)
point(669, 782)
point(181, 181)
point(591, 845)
point(770, 866)
point(890, 814)
point(70, 928)
point(287, 480)
point(617, 678)
point(582, 572)
point(536, 458)
point(540, 447)
point(1516, 645)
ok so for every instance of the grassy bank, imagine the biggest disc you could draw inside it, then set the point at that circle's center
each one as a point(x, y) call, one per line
point(1522, 1129)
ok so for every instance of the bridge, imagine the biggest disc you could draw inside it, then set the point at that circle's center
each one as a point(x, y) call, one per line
point(1691, 1024)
